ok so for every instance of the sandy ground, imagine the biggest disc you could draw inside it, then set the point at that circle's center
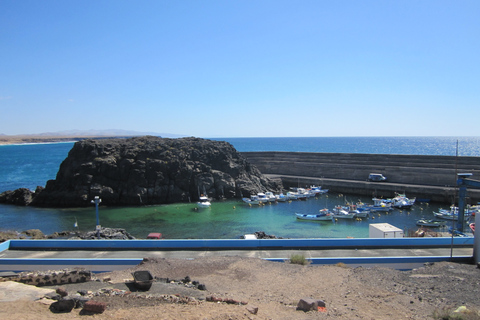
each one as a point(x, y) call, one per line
point(275, 288)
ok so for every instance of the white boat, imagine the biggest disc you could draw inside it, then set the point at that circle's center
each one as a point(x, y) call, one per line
point(252, 200)
point(302, 194)
point(281, 197)
point(359, 213)
point(291, 196)
point(270, 196)
point(262, 197)
point(323, 215)
point(451, 214)
point(431, 223)
point(401, 201)
point(341, 213)
point(318, 190)
point(378, 205)
point(203, 202)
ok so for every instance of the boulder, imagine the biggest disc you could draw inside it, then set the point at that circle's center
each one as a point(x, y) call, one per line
point(62, 306)
point(94, 306)
point(19, 197)
point(309, 304)
point(151, 170)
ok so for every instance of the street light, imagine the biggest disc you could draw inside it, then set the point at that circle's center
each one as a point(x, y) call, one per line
point(97, 200)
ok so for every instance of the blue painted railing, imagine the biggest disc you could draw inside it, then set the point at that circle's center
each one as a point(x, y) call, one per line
point(101, 265)
point(239, 244)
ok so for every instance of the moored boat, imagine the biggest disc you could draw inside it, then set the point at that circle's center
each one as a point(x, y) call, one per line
point(262, 197)
point(323, 215)
point(342, 213)
point(281, 197)
point(270, 196)
point(203, 202)
point(378, 205)
point(318, 190)
point(252, 200)
point(431, 223)
point(402, 202)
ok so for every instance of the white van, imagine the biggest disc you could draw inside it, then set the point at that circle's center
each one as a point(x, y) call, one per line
point(377, 177)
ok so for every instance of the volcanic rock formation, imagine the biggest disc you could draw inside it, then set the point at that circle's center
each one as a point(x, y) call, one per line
point(151, 170)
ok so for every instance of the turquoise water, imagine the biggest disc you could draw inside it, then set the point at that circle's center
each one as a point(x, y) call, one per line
point(224, 220)
point(32, 165)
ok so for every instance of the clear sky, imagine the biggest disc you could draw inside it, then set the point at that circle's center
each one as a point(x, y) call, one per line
point(241, 68)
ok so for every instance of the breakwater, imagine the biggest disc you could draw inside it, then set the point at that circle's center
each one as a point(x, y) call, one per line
point(427, 177)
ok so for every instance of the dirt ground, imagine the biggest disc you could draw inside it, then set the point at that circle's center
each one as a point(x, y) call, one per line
point(275, 288)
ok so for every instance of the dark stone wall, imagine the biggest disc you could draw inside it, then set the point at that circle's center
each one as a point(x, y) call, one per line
point(432, 177)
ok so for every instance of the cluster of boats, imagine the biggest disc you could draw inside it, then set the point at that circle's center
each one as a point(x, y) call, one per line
point(360, 209)
point(443, 215)
point(297, 194)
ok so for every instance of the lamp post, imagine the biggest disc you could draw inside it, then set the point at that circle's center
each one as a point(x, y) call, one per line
point(97, 200)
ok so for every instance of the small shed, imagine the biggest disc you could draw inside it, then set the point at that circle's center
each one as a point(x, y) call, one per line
point(384, 230)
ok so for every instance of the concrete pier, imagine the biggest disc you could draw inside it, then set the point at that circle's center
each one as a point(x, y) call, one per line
point(426, 177)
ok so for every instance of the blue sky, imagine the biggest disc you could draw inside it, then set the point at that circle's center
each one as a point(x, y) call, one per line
point(249, 68)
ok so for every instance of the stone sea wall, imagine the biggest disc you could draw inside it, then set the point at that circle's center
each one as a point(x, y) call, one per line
point(430, 177)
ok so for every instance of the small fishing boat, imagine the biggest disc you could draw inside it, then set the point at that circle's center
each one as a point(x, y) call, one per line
point(318, 190)
point(341, 213)
point(270, 196)
point(402, 202)
point(378, 205)
point(359, 213)
point(444, 214)
point(291, 196)
point(323, 215)
point(262, 197)
point(281, 197)
point(252, 200)
point(431, 223)
point(203, 202)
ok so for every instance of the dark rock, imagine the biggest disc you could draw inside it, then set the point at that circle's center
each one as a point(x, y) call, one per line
point(79, 301)
point(202, 287)
point(19, 197)
point(107, 233)
point(263, 235)
point(252, 309)
point(95, 306)
point(34, 234)
point(62, 306)
point(62, 292)
point(309, 304)
point(151, 170)
point(53, 296)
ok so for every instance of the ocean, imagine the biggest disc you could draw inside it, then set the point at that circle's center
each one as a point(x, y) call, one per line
point(32, 165)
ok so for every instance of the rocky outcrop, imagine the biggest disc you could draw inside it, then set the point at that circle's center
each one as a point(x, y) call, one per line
point(151, 170)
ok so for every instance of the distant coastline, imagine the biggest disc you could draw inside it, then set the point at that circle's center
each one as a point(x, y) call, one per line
point(34, 139)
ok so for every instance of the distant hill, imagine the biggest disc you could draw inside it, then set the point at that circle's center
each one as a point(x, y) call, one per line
point(107, 133)
point(76, 135)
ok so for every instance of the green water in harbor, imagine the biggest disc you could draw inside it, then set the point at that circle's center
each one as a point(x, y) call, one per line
point(223, 220)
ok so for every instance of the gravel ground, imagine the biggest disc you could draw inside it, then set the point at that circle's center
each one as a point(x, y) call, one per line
point(275, 288)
